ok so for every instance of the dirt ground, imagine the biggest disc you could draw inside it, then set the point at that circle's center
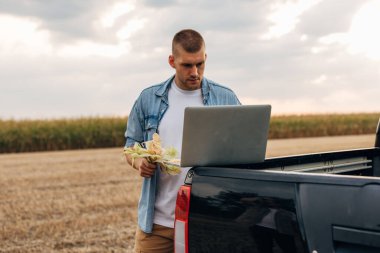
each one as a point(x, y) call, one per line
point(86, 201)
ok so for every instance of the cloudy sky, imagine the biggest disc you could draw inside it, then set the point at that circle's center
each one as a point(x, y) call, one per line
point(92, 58)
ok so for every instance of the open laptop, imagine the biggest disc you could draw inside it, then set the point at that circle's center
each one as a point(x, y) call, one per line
point(225, 135)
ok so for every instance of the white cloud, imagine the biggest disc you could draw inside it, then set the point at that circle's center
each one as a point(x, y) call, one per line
point(334, 102)
point(321, 79)
point(363, 36)
point(342, 97)
point(288, 106)
point(131, 27)
point(117, 10)
point(285, 17)
point(22, 36)
point(84, 48)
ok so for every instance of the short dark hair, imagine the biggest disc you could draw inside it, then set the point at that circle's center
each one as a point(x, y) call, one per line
point(190, 40)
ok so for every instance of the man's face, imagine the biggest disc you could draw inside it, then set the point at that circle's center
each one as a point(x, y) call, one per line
point(189, 68)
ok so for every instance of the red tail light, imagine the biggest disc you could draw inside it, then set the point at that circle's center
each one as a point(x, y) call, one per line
point(181, 220)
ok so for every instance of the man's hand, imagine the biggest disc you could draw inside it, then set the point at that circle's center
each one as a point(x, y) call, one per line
point(145, 168)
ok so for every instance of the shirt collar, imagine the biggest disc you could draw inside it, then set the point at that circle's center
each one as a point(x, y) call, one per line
point(164, 89)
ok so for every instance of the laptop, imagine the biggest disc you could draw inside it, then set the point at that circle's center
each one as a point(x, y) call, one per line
point(225, 135)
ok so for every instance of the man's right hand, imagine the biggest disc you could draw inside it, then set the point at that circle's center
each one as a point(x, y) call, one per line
point(145, 168)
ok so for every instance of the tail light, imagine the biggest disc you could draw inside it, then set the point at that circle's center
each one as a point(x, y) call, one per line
point(181, 220)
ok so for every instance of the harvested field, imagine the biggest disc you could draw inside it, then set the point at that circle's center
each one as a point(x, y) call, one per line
point(86, 201)
point(72, 201)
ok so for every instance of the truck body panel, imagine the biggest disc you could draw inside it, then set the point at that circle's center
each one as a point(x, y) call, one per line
point(290, 204)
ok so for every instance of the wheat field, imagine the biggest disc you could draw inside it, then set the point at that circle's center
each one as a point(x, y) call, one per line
point(69, 201)
point(86, 200)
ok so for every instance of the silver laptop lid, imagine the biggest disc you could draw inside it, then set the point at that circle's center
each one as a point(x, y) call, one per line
point(225, 135)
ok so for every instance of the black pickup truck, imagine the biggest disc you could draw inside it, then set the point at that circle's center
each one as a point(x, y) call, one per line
point(315, 203)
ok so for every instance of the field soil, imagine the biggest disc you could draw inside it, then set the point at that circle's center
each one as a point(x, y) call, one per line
point(86, 200)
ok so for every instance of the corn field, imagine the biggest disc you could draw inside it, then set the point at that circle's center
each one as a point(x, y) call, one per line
point(102, 132)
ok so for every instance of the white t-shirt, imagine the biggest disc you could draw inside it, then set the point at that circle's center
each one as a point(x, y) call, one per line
point(170, 130)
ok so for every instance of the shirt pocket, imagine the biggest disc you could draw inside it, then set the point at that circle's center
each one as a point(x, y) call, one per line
point(151, 127)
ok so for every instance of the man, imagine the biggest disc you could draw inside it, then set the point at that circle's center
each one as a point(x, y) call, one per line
point(160, 108)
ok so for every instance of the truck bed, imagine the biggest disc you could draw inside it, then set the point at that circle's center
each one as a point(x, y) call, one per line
point(323, 202)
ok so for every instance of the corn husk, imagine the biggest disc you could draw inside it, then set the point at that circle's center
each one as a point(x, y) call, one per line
point(155, 153)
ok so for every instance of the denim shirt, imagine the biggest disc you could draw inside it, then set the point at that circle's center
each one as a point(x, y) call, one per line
point(143, 122)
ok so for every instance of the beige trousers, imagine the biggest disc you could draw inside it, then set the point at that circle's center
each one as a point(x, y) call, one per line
point(161, 240)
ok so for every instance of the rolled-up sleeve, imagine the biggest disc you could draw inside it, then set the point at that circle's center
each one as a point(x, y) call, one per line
point(134, 132)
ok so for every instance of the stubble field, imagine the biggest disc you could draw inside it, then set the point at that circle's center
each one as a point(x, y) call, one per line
point(86, 201)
